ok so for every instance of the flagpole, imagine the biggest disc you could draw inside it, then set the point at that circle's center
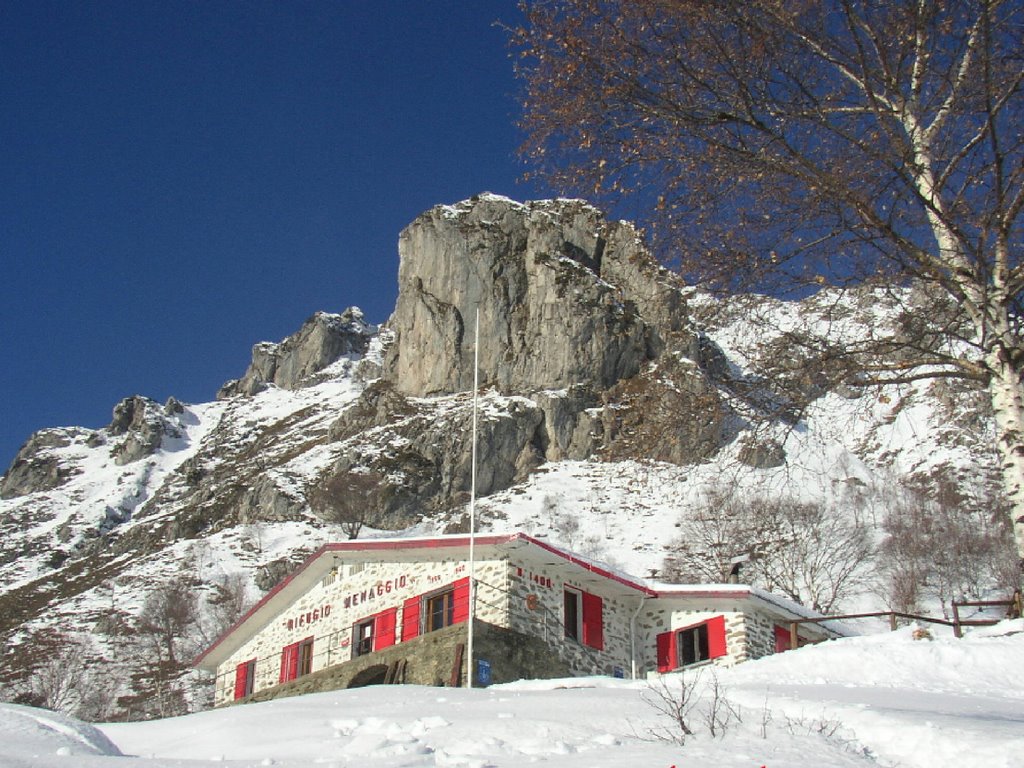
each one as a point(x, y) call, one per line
point(472, 506)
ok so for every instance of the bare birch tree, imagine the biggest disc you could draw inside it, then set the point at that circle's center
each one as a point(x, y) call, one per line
point(794, 143)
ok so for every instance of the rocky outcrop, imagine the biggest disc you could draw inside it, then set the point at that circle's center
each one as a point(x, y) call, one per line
point(670, 413)
point(762, 454)
point(266, 502)
point(379, 404)
point(570, 430)
point(142, 424)
point(426, 455)
point(548, 317)
point(37, 467)
point(293, 363)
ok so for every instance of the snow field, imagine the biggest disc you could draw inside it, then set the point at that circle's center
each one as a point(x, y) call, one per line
point(877, 700)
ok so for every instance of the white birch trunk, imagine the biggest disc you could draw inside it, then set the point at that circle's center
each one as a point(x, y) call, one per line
point(1008, 410)
point(985, 305)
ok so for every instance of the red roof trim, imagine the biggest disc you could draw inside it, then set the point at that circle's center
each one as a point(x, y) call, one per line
point(738, 594)
point(647, 591)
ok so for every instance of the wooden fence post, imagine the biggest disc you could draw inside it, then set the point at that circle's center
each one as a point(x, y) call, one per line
point(957, 631)
point(794, 639)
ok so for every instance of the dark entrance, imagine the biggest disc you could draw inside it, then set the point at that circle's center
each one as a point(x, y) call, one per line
point(374, 675)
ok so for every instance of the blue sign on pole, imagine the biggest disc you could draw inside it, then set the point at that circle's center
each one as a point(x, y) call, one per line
point(483, 672)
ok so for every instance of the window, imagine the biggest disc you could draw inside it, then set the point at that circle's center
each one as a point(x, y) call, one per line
point(435, 610)
point(245, 678)
point(440, 611)
point(374, 633)
point(691, 645)
point(583, 617)
point(362, 642)
point(306, 657)
point(572, 614)
point(296, 660)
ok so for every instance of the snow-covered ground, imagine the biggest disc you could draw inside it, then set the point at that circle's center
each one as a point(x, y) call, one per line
point(882, 699)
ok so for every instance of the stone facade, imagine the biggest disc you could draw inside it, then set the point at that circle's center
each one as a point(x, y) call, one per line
point(760, 631)
point(536, 608)
point(430, 660)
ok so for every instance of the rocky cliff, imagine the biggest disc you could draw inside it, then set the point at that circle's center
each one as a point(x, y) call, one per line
point(538, 276)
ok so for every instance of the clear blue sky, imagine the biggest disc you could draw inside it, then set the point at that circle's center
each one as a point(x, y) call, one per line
point(179, 180)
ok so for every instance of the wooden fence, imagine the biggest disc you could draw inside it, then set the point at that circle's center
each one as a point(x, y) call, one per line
point(1013, 606)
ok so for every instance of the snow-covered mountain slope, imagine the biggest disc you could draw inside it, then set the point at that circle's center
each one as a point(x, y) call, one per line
point(885, 700)
point(653, 406)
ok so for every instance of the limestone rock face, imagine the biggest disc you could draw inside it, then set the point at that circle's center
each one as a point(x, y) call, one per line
point(322, 339)
point(548, 317)
point(425, 452)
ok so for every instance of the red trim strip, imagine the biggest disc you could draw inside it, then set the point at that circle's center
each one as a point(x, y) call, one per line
point(587, 565)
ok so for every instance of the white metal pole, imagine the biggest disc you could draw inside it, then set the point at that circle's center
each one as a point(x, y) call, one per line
point(472, 506)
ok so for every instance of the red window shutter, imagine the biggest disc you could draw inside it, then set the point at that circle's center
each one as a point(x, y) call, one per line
point(666, 645)
point(384, 629)
point(411, 618)
point(716, 637)
point(241, 678)
point(289, 663)
point(593, 621)
point(460, 600)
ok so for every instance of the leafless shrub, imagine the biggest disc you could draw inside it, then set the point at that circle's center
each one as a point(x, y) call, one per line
point(765, 719)
point(225, 606)
point(168, 633)
point(818, 555)
point(681, 700)
point(830, 729)
point(719, 713)
point(720, 528)
point(821, 726)
point(350, 500)
point(252, 537)
point(675, 703)
point(564, 522)
point(168, 615)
